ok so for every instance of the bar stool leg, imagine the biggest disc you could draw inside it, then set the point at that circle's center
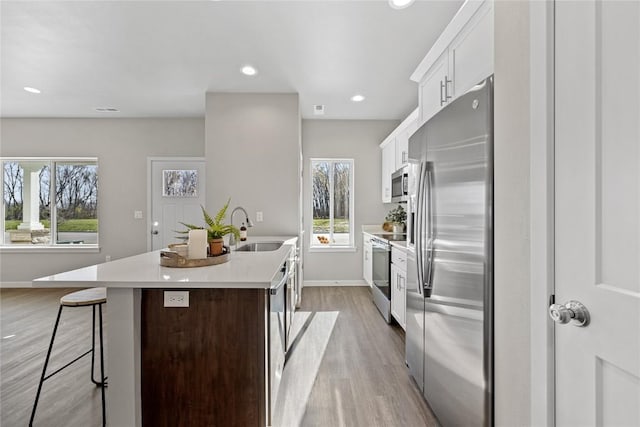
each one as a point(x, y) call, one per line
point(44, 369)
point(102, 377)
point(93, 349)
point(93, 343)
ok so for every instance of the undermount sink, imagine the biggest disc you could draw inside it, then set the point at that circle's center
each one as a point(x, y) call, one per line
point(260, 247)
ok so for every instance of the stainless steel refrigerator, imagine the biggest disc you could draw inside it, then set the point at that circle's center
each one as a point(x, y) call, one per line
point(449, 339)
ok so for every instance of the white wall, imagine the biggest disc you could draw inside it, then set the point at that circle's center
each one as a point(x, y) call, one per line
point(512, 220)
point(122, 147)
point(357, 139)
point(252, 150)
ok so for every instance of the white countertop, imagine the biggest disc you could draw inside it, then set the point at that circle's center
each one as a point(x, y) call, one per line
point(373, 229)
point(400, 244)
point(248, 270)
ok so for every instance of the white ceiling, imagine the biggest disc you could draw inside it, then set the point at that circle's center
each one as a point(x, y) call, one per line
point(159, 58)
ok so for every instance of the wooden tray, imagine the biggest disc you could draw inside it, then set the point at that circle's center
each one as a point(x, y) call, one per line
point(172, 259)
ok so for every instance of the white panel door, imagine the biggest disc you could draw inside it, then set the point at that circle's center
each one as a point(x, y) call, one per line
point(177, 189)
point(598, 211)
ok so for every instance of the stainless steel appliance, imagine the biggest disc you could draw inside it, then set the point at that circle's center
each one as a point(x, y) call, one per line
point(291, 295)
point(276, 340)
point(449, 341)
point(400, 186)
point(381, 290)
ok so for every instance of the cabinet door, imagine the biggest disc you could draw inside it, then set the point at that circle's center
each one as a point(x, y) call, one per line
point(367, 264)
point(431, 89)
point(402, 299)
point(471, 52)
point(388, 167)
point(395, 292)
point(402, 149)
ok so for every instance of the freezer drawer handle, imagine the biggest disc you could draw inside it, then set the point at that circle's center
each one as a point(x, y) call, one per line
point(573, 311)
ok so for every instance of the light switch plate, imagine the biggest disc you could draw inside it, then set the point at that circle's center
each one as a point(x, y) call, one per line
point(176, 298)
point(137, 214)
point(259, 217)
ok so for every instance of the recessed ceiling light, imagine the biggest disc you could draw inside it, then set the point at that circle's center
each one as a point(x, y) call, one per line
point(106, 110)
point(357, 98)
point(31, 89)
point(400, 4)
point(248, 70)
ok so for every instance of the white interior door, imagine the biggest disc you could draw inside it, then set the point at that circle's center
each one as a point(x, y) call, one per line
point(177, 188)
point(598, 211)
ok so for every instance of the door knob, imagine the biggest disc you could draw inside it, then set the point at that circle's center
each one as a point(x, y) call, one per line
point(573, 311)
point(154, 232)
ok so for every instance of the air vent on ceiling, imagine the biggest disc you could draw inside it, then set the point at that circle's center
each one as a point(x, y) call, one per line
point(106, 110)
point(318, 110)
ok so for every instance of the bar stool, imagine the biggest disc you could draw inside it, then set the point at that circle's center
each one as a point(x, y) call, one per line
point(94, 297)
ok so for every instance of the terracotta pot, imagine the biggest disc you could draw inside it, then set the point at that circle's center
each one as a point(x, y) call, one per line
point(215, 247)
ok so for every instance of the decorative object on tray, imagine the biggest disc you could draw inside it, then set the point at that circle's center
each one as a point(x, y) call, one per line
point(173, 258)
point(324, 240)
point(398, 218)
point(216, 229)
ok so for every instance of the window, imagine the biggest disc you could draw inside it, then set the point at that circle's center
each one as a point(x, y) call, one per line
point(332, 203)
point(30, 219)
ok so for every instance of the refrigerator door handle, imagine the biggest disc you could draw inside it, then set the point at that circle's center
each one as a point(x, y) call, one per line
point(419, 225)
point(430, 227)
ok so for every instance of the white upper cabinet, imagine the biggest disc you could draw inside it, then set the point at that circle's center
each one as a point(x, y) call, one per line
point(461, 58)
point(388, 166)
point(431, 89)
point(395, 151)
point(404, 132)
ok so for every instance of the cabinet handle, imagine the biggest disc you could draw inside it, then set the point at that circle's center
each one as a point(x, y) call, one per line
point(447, 97)
point(442, 88)
point(404, 157)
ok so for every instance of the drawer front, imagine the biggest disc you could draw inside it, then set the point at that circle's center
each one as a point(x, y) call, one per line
point(399, 258)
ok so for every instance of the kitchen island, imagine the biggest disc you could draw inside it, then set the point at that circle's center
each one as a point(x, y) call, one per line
point(216, 362)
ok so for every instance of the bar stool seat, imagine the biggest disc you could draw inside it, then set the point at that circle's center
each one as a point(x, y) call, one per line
point(85, 297)
point(95, 298)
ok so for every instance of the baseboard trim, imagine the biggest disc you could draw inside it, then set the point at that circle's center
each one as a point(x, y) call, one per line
point(16, 285)
point(316, 283)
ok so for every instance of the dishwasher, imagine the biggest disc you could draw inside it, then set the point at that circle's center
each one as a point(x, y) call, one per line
point(276, 339)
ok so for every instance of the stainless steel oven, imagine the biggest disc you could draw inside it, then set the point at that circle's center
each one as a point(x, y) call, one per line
point(381, 290)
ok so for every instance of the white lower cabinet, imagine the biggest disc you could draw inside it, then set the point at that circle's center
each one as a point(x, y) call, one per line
point(399, 285)
point(367, 261)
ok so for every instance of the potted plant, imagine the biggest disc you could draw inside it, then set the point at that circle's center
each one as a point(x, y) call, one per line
point(216, 229)
point(397, 217)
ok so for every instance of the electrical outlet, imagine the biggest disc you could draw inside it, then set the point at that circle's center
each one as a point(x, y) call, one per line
point(107, 258)
point(176, 298)
point(259, 217)
point(137, 214)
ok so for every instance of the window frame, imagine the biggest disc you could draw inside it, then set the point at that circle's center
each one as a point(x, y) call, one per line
point(315, 246)
point(52, 246)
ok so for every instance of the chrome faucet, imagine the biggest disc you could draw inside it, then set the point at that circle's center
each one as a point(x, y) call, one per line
point(232, 237)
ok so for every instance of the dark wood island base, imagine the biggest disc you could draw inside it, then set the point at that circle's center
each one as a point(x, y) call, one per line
point(204, 365)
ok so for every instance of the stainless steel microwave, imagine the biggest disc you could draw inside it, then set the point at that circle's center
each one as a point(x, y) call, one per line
point(400, 186)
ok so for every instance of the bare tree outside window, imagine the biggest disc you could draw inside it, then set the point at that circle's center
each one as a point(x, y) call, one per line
point(73, 186)
point(332, 182)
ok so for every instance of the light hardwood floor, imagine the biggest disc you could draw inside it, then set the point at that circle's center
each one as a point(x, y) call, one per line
point(348, 359)
point(69, 398)
point(363, 379)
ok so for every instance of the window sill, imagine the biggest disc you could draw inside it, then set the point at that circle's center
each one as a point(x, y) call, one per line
point(39, 249)
point(329, 248)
